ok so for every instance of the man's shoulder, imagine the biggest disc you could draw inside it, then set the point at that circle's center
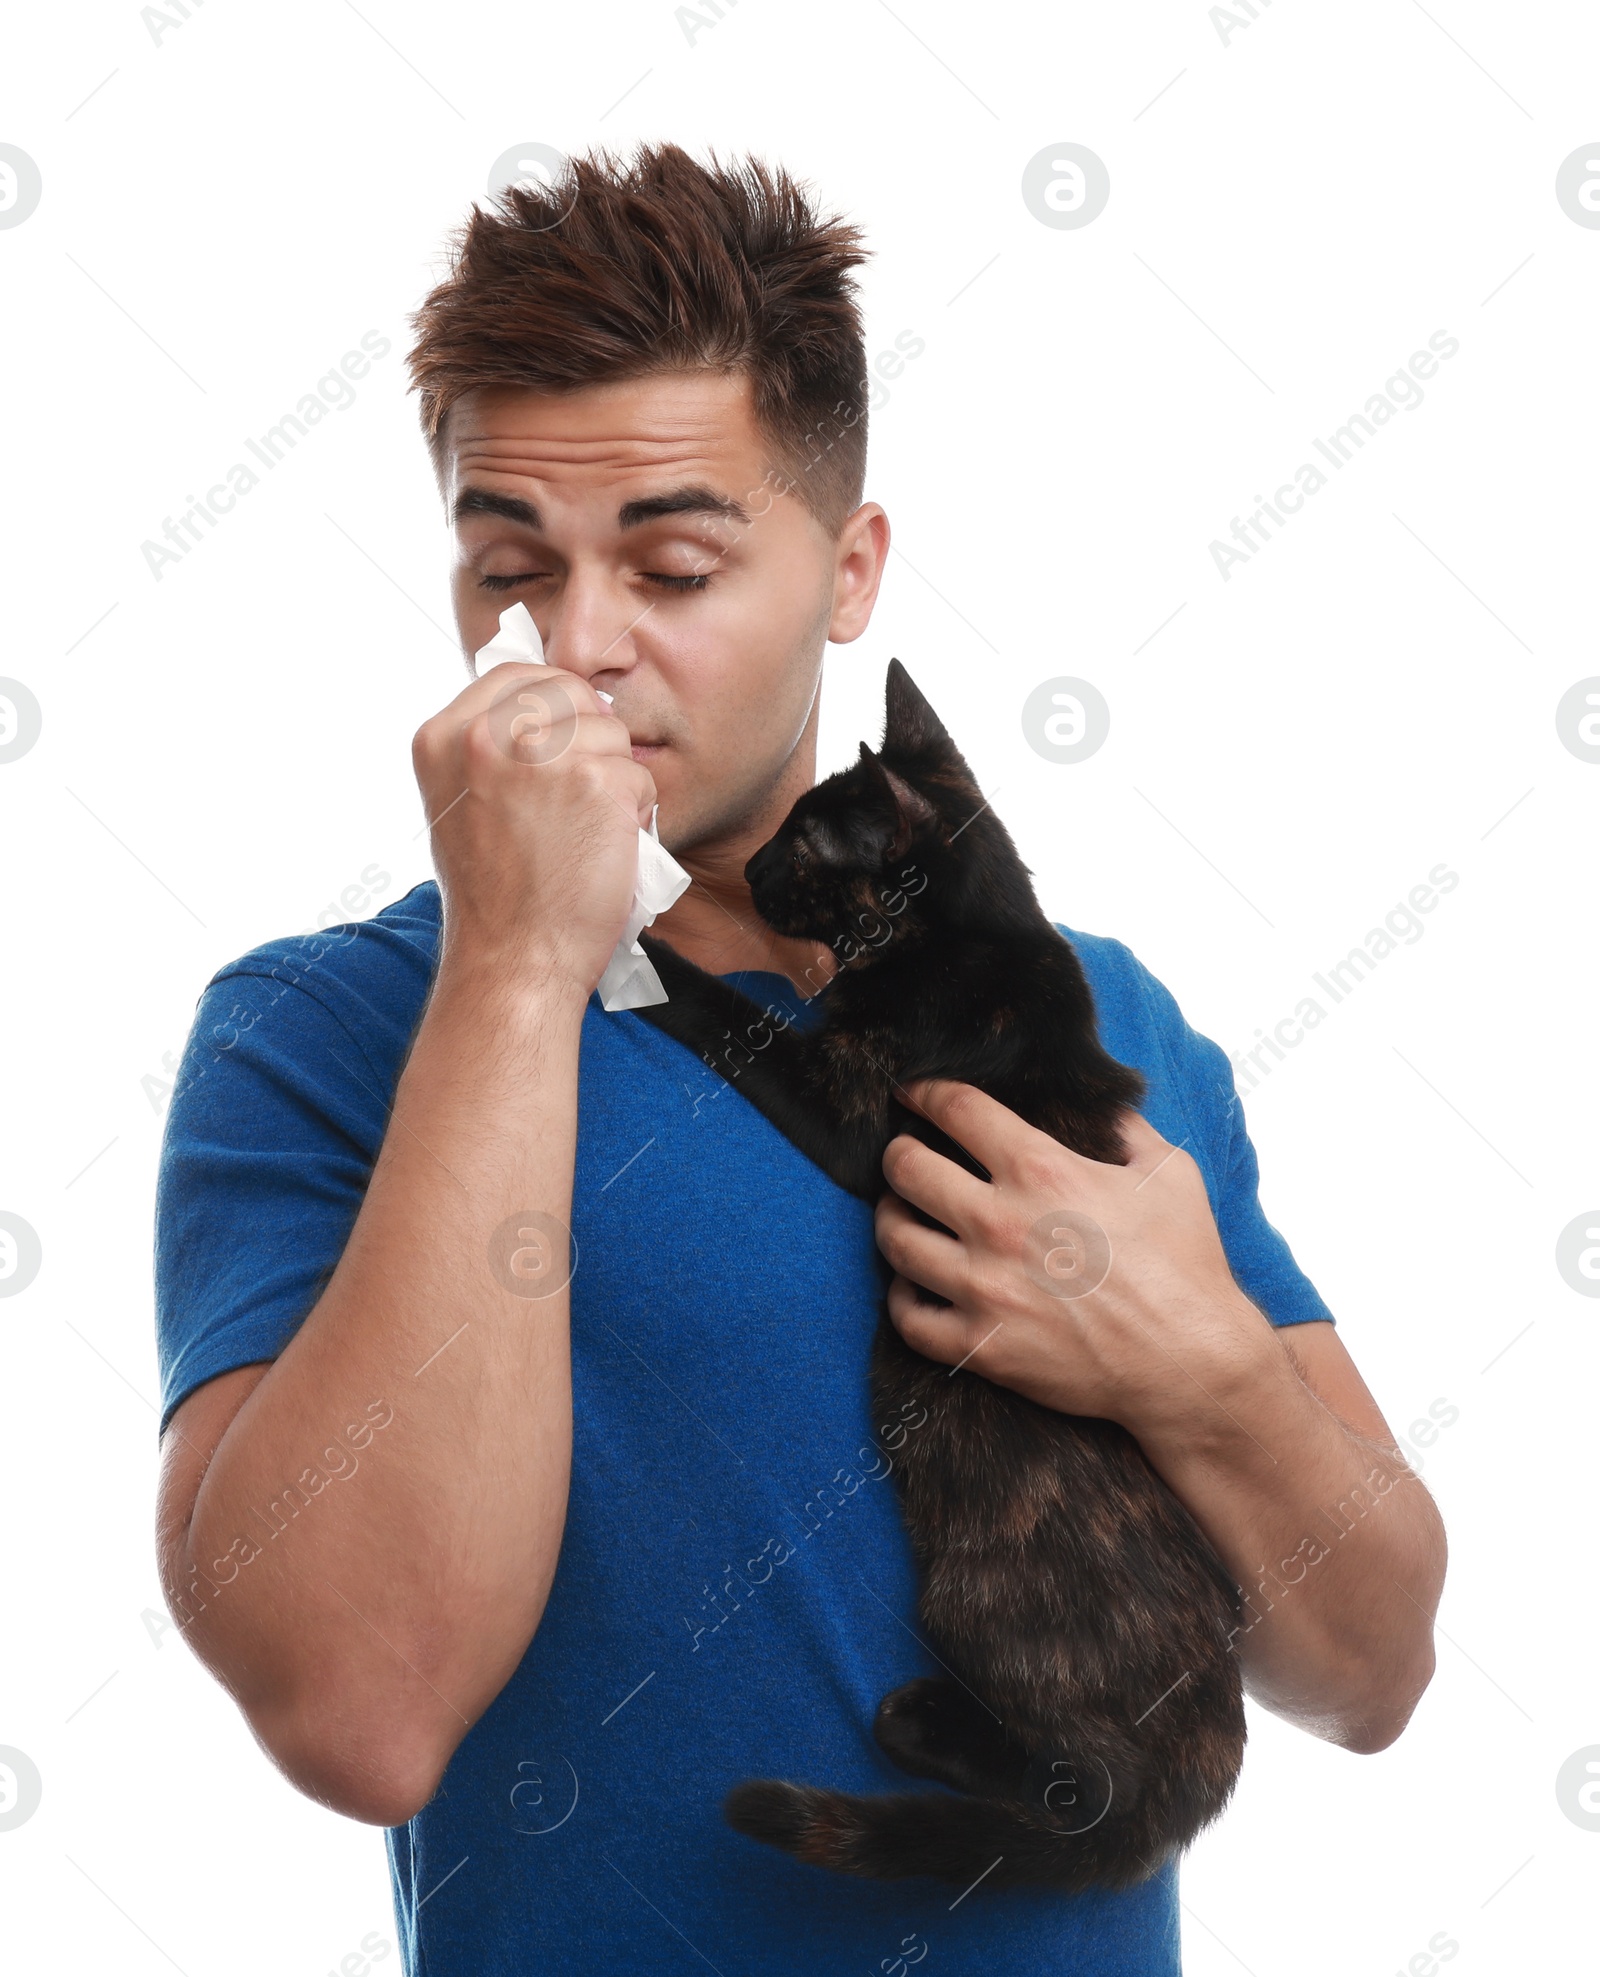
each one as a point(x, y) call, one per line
point(1123, 988)
point(1141, 1024)
point(390, 953)
point(369, 977)
point(1099, 953)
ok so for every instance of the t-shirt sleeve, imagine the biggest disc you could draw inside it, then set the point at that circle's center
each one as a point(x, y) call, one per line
point(275, 1122)
point(1262, 1262)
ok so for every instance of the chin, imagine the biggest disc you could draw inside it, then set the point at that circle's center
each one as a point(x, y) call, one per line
point(681, 824)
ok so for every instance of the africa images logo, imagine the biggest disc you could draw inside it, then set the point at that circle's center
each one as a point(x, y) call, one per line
point(1402, 391)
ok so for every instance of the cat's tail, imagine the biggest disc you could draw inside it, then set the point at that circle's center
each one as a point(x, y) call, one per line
point(955, 1838)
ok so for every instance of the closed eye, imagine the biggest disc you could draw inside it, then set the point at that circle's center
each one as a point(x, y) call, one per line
point(650, 576)
point(819, 839)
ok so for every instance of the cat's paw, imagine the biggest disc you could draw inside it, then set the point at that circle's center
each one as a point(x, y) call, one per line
point(908, 1724)
point(931, 1728)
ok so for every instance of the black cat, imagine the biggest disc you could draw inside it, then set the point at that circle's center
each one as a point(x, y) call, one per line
point(1095, 1721)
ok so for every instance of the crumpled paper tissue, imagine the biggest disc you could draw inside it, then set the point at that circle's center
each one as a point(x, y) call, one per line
point(630, 980)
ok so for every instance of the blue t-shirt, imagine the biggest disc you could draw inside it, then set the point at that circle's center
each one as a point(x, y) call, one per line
point(735, 1590)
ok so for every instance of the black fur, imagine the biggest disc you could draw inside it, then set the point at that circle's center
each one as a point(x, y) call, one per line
point(1095, 1720)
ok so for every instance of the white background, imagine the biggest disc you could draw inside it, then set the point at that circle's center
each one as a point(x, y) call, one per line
point(226, 749)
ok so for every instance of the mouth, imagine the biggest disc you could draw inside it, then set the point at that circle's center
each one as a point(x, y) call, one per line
point(647, 751)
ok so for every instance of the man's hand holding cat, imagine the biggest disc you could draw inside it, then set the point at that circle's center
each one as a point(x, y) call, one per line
point(1090, 1288)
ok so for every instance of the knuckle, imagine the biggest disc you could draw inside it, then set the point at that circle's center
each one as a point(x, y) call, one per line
point(479, 748)
point(914, 1328)
point(958, 1105)
point(1036, 1169)
point(606, 735)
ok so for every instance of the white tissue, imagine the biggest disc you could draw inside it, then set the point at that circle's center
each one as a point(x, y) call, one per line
point(630, 980)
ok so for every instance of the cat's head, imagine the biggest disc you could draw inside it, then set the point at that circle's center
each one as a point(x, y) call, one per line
point(882, 851)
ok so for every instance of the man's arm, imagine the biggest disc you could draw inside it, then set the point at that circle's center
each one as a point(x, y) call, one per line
point(362, 1630)
point(1272, 1442)
point(1341, 1558)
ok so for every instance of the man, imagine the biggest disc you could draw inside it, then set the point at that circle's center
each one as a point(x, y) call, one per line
point(519, 1481)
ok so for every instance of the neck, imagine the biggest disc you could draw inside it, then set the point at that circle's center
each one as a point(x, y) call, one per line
point(714, 924)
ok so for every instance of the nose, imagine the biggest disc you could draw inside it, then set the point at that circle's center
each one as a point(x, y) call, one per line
point(761, 863)
point(589, 630)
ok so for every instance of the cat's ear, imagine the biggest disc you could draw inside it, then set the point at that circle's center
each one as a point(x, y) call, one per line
point(913, 811)
point(910, 726)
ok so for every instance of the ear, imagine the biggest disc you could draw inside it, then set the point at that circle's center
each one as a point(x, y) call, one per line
point(913, 810)
point(910, 725)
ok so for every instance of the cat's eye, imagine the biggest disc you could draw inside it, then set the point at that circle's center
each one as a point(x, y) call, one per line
point(820, 842)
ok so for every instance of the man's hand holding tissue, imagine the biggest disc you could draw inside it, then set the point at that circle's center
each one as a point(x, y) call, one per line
point(364, 1648)
point(536, 805)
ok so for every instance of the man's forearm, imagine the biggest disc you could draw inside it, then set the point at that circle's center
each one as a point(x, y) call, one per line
point(1335, 1541)
point(363, 1623)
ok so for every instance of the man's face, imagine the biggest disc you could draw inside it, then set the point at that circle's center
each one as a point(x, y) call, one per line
point(646, 528)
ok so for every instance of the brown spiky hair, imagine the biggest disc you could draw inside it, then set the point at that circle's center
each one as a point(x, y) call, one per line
point(622, 269)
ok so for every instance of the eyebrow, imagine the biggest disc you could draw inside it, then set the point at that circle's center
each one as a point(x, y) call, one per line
point(631, 515)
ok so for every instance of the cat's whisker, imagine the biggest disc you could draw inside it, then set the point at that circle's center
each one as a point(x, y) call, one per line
point(744, 926)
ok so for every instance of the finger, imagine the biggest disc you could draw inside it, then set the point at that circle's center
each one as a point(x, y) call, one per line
point(927, 1256)
point(556, 719)
point(645, 798)
point(935, 1182)
point(534, 722)
point(948, 1336)
point(991, 1132)
point(637, 796)
point(499, 679)
point(556, 692)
